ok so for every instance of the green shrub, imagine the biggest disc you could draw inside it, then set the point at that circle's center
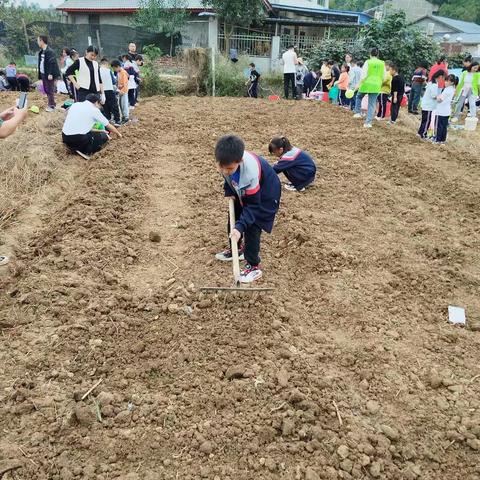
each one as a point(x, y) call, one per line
point(229, 77)
point(152, 84)
point(271, 83)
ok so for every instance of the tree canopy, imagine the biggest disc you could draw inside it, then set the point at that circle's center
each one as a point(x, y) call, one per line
point(237, 12)
point(397, 42)
point(165, 16)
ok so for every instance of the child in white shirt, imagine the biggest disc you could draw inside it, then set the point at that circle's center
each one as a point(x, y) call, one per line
point(429, 103)
point(444, 109)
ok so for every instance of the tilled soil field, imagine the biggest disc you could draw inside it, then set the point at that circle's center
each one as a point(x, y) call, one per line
point(348, 370)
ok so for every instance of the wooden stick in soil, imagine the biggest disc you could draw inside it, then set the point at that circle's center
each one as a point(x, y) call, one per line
point(340, 421)
point(234, 245)
point(235, 263)
point(86, 394)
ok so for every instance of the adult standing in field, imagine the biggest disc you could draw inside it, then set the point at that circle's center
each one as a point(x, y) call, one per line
point(326, 73)
point(348, 61)
point(419, 81)
point(9, 121)
point(441, 65)
point(132, 49)
point(78, 133)
point(467, 91)
point(290, 62)
point(84, 74)
point(355, 75)
point(371, 80)
point(48, 71)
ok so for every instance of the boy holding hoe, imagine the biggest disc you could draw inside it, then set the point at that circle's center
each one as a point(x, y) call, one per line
point(255, 186)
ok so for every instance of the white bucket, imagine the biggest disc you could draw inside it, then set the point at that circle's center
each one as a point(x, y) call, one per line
point(471, 123)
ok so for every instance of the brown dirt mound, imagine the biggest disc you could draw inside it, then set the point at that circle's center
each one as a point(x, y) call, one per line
point(348, 370)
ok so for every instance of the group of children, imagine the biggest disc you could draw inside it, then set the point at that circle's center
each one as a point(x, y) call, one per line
point(11, 79)
point(445, 98)
point(121, 83)
point(120, 79)
point(256, 189)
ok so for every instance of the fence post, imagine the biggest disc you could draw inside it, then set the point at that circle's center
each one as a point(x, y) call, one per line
point(213, 34)
point(275, 55)
point(213, 45)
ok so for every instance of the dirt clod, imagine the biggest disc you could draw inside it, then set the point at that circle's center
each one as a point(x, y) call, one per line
point(282, 378)
point(311, 474)
point(83, 414)
point(390, 432)
point(234, 371)
point(206, 447)
point(105, 398)
point(154, 237)
point(343, 451)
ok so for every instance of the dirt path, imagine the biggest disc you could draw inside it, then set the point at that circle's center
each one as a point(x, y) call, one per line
point(349, 370)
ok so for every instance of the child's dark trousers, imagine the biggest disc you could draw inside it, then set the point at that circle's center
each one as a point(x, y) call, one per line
point(441, 129)
point(395, 111)
point(251, 238)
point(425, 124)
point(111, 106)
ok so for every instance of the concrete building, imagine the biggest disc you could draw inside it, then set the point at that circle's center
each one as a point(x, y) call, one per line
point(414, 9)
point(301, 22)
point(455, 36)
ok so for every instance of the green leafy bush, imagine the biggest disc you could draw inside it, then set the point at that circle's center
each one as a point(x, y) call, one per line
point(155, 85)
point(229, 77)
point(152, 83)
point(332, 49)
point(397, 41)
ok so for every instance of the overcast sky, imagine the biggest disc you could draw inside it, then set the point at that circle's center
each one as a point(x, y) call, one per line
point(46, 3)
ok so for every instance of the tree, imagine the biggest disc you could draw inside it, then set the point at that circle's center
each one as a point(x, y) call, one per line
point(403, 44)
point(16, 18)
point(232, 13)
point(399, 42)
point(165, 16)
point(332, 49)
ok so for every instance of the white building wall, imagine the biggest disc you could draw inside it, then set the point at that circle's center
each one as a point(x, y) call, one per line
point(414, 9)
point(439, 27)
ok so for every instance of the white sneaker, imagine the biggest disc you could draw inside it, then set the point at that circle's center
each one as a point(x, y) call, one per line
point(50, 109)
point(83, 155)
point(250, 274)
point(357, 115)
point(291, 188)
point(3, 260)
point(367, 125)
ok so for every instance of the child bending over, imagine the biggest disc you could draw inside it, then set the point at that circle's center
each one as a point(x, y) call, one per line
point(254, 185)
point(297, 165)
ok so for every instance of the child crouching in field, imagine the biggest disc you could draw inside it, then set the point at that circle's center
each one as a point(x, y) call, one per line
point(255, 186)
point(296, 165)
point(444, 109)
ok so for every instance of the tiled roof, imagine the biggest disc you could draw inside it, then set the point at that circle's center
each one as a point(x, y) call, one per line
point(460, 25)
point(113, 5)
